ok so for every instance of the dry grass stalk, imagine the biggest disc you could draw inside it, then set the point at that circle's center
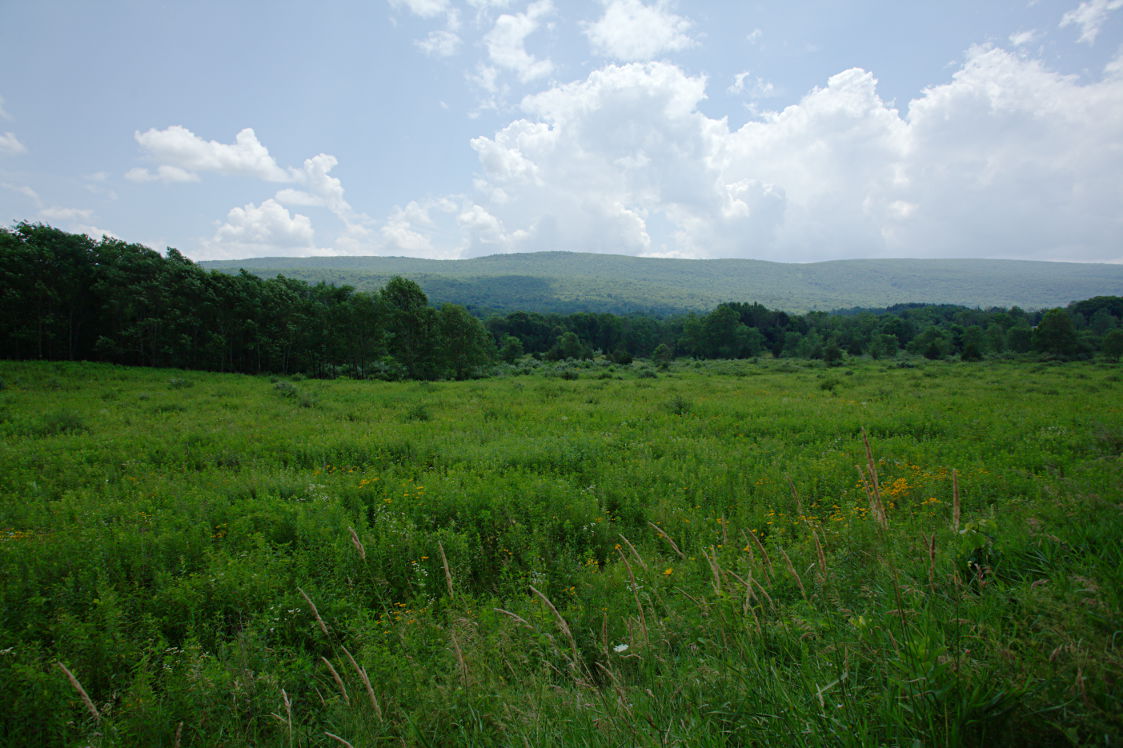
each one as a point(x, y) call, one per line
point(822, 557)
point(635, 553)
point(621, 696)
point(316, 613)
point(877, 505)
point(338, 680)
point(746, 606)
point(448, 574)
point(81, 692)
point(955, 500)
point(715, 570)
point(339, 739)
point(561, 622)
point(764, 553)
point(460, 663)
point(362, 673)
point(877, 509)
point(288, 712)
point(516, 616)
point(930, 543)
point(795, 495)
point(763, 591)
point(794, 573)
point(358, 544)
point(667, 537)
point(635, 596)
point(178, 735)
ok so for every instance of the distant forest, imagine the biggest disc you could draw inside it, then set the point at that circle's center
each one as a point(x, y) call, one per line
point(69, 297)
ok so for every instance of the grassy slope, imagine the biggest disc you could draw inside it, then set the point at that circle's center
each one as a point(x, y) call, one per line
point(156, 528)
point(560, 281)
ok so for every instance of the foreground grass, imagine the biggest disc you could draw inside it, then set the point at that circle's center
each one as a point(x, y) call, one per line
point(616, 559)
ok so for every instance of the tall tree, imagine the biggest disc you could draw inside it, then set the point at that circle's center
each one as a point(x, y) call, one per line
point(1055, 335)
point(412, 326)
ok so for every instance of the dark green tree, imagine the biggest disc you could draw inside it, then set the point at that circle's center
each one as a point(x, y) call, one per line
point(1055, 334)
point(1112, 345)
point(511, 350)
point(569, 346)
point(412, 326)
point(465, 345)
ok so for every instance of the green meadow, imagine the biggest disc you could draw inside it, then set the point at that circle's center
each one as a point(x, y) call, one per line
point(706, 554)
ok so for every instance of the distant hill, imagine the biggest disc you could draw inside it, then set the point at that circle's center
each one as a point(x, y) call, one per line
point(568, 282)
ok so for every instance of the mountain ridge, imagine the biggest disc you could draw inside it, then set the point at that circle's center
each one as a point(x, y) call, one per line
point(566, 282)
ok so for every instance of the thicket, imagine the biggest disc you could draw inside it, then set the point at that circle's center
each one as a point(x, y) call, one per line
point(66, 296)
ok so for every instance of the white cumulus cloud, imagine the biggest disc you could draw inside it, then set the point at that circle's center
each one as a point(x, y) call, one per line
point(257, 230)
point(506, 42)
point(185, 153)
point(321, 189)
point(630, 30)
point(1005, 159)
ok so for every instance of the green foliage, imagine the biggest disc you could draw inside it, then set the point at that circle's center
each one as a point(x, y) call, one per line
point(69, 297)
point(1055, 334)
point(1112, 345)
point(196, 557)
point(72, 298)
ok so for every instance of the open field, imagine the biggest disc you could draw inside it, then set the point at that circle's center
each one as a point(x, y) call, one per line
point(630, 557)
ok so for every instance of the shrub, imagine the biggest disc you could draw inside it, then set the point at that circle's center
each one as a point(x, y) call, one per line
point(418, 413)
point(679, 405)
point(62, 422)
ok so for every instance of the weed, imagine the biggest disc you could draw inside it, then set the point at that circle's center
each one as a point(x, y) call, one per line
point(679, 406)
point(62, 422)
point(285, 389)
point(418, 413)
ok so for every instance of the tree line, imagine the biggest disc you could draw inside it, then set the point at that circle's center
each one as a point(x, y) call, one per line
point(69, 297)
point(66, 296)
point(748, 330)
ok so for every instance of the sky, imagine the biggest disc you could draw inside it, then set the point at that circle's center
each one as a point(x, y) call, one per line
point(793, 131)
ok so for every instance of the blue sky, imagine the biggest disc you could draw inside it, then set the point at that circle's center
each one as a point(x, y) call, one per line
point(795, 131)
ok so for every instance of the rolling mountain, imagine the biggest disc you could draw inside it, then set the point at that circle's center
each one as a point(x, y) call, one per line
point(567, 282)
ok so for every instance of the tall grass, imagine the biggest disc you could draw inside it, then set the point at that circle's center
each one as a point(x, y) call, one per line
point(546, 560)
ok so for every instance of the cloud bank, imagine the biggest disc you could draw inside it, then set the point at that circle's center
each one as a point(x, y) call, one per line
point(1005, 159)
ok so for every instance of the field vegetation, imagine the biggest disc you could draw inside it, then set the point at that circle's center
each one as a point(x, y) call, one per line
point(905, 552)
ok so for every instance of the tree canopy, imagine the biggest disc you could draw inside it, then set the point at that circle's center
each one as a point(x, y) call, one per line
point(67, 296)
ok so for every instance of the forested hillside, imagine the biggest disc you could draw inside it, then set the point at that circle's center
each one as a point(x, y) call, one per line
point(68, 297)
point(565, 282)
